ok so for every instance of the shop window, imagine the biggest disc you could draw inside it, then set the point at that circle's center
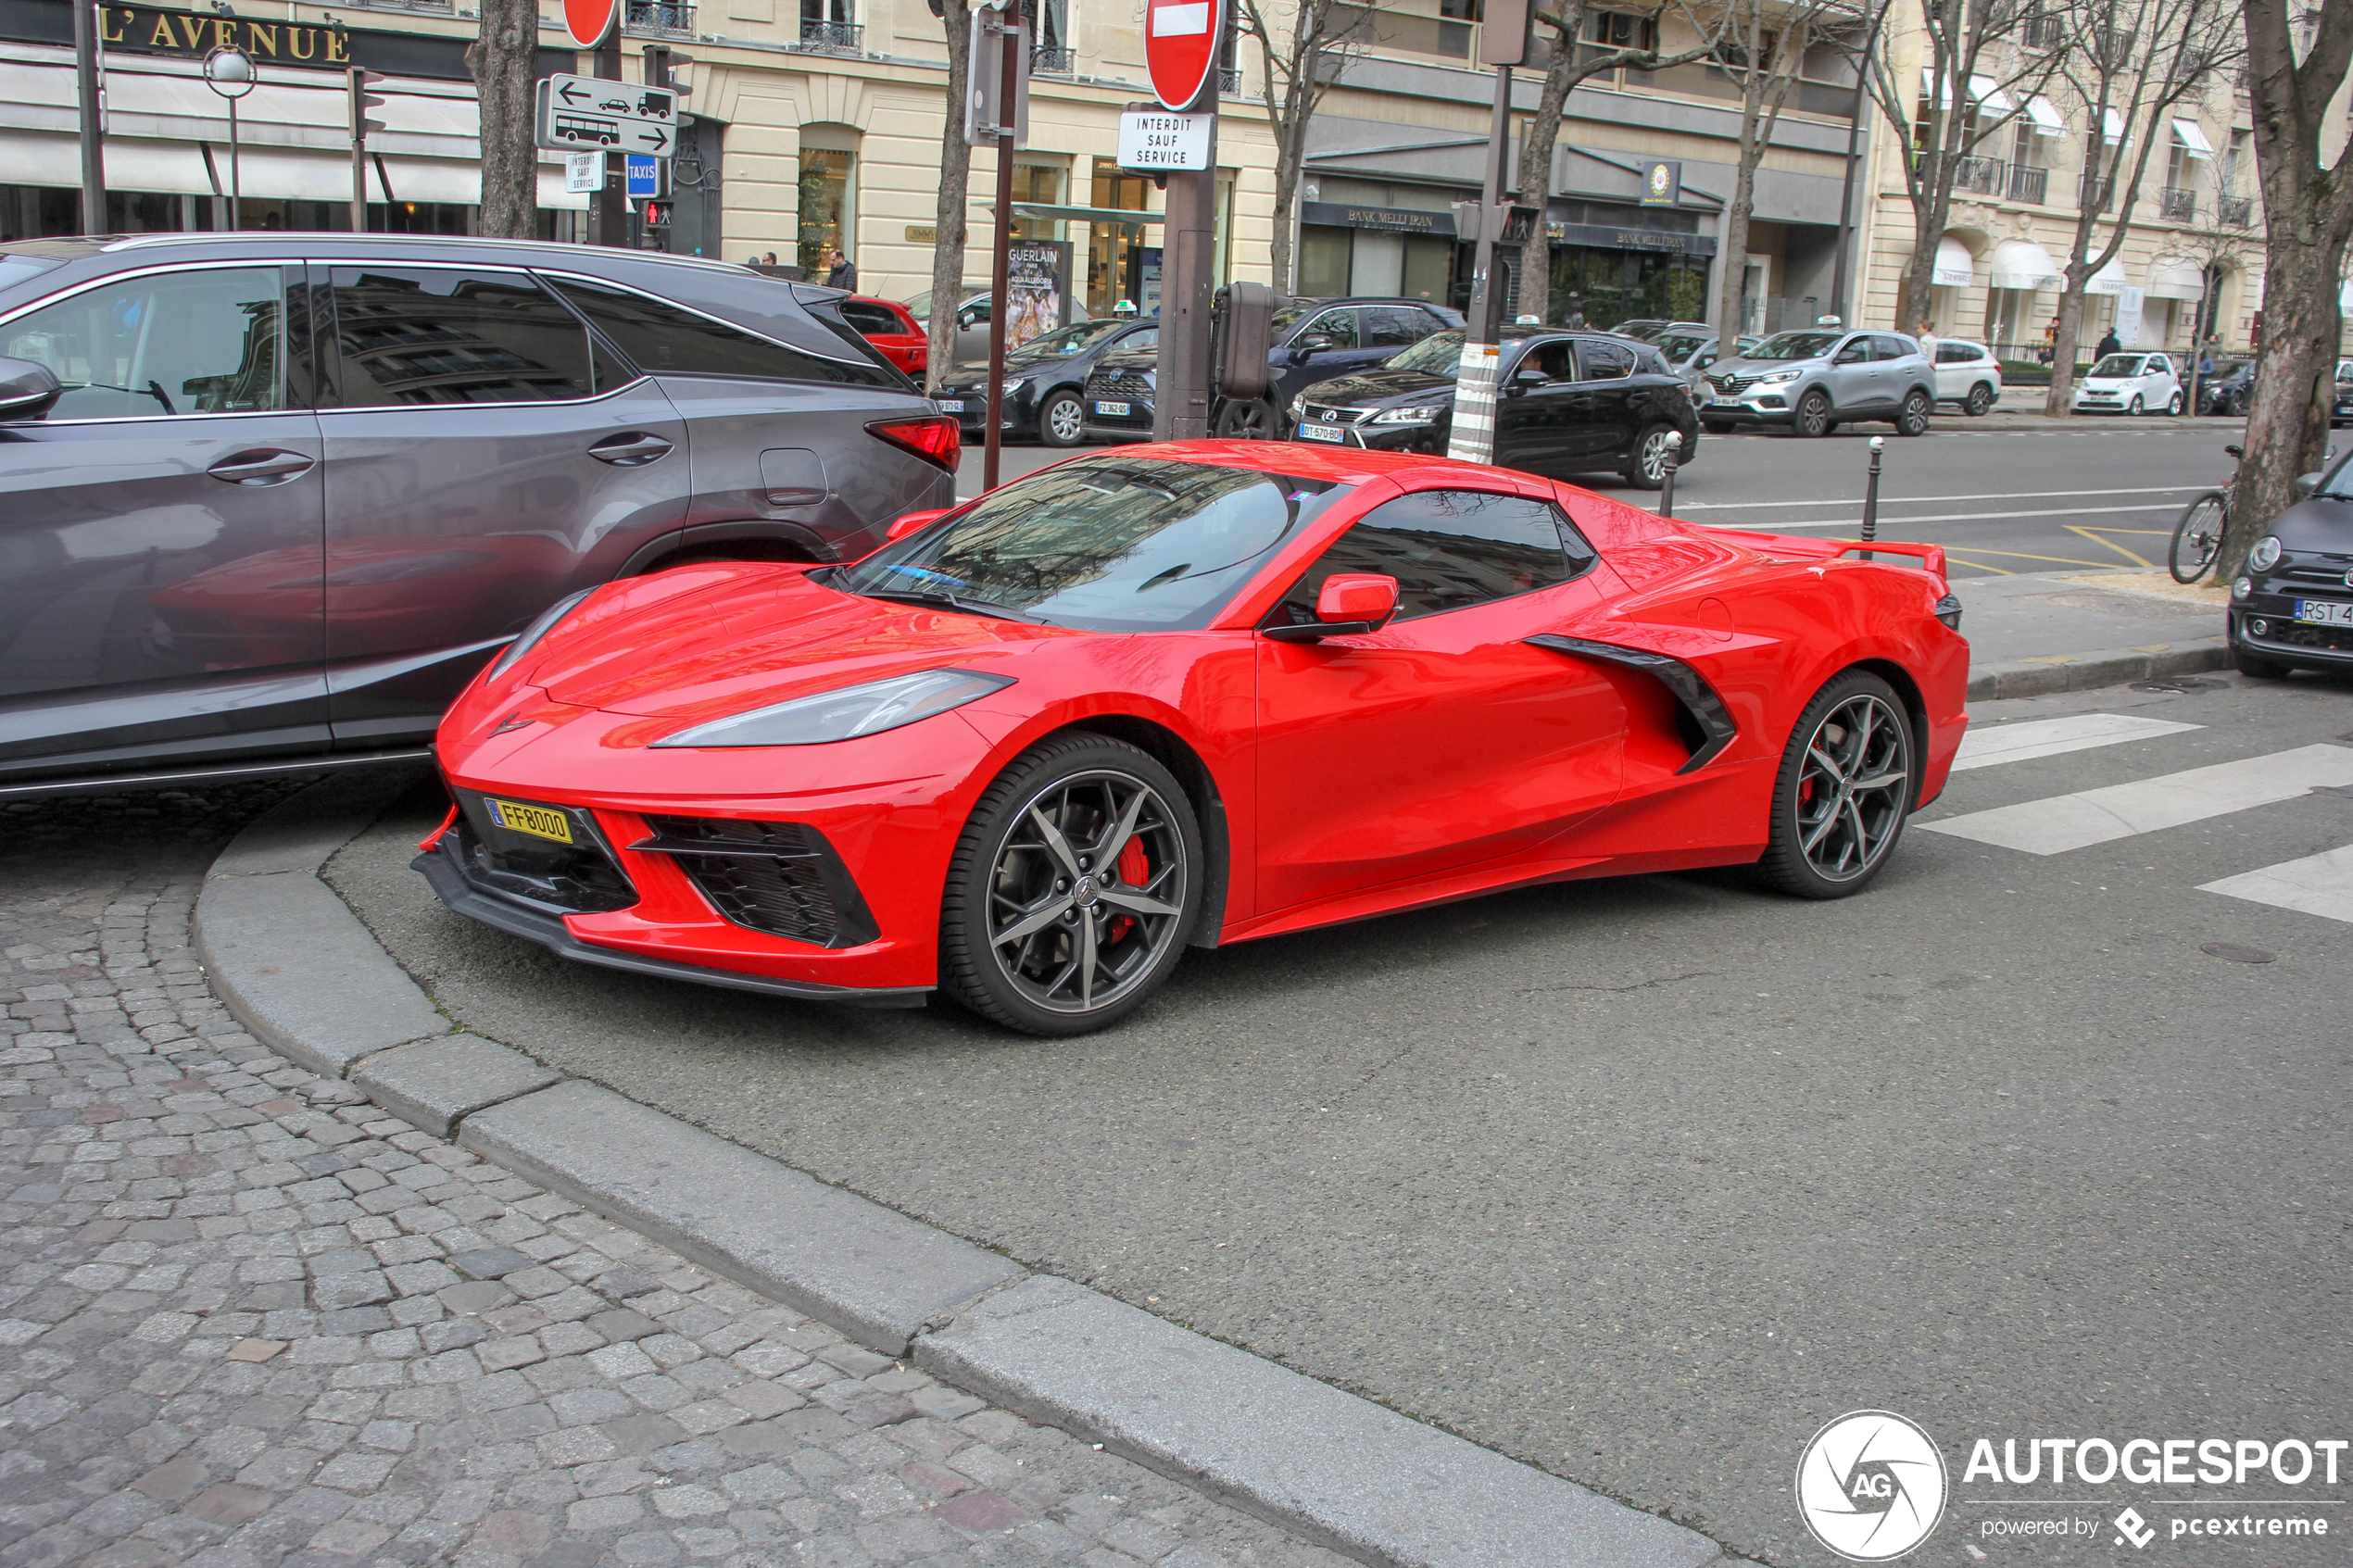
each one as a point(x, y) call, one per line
point(825, 191)
point(1608, 32)
point(1042, 185)
point(1323, 260)
point(176, 342)
point(1119, 265)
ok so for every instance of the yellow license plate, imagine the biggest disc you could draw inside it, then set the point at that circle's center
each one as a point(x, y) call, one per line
point(536, 820)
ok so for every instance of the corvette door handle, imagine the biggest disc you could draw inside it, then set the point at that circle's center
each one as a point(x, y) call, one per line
point(265, 466)
point(630, 450)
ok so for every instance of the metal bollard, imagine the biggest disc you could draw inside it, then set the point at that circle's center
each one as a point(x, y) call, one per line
point(1666, 488)
point(1871, 496)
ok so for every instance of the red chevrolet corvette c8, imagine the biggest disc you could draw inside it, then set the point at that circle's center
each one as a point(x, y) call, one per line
point(1033, 747)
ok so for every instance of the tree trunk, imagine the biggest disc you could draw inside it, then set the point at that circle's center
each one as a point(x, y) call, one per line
point(1290, 157)
point(2288, 427)
point(1536, 157)
point(955, 182)
point(1736, 254)
point(501, 58)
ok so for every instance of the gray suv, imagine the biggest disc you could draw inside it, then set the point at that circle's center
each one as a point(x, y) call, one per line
point(1816, 380)
point(272, 498)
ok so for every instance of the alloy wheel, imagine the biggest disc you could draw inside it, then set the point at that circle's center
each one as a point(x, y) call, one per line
point(1087, 891)
point(1653, 456)
point(1981, 398)
point(1853, 787)
point(1065, 422)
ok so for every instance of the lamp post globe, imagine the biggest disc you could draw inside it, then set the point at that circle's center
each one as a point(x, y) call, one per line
point(229, 71)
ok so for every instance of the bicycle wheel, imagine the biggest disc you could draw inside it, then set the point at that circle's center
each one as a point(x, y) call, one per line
point(2198, 536)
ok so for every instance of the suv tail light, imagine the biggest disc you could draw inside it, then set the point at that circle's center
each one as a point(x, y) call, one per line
point(935, 438)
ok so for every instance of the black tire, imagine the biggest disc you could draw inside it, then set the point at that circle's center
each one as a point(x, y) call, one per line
point(1061, 421)
point(1832, 843)
point(1813, 417)
point(1912, 418)
point(1014, 864)
point(1718, 427)
point(1980, 401)
point(1249, 418)
point(2198, 536)
point(2137, 407)
point(1647, 469)
point(2257, 667)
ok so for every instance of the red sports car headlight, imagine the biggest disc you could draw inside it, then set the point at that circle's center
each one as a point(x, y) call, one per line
point(867, 709)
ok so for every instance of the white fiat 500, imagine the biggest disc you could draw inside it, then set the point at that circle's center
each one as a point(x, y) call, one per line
point(2131, 383)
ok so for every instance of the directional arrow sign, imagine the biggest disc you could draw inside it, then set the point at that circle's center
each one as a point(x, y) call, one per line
point(1180, 47)
point(585, 112)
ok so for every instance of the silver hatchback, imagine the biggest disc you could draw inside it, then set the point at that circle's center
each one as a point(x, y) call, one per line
point(272, 498)
point(1811, 381)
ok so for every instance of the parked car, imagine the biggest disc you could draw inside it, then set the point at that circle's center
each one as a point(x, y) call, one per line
point(1044, 378)
point(2292, 606)
point(1817, 379)
point(2130, 384)
point(889, 328)
point(1691, 348)
point(2340, 413)
point(1572, 403)
point(2231, 387)
point(274, 499)
point(1967, 373)
point(1641, 329)
point(998, 757)
point(1311, 340)
point(971, 320)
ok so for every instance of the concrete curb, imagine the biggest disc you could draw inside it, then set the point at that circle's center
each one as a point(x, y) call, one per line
point(2086, 671)
point(296, 966)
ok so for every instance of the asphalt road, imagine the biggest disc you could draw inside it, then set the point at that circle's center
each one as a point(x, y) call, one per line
point(1643, 1180)
point(2098, 494)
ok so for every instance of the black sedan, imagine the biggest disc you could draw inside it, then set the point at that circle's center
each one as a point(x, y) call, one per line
point(1572, 403)
point(2293, 603)
point(1043, 378)
point(2227, 391)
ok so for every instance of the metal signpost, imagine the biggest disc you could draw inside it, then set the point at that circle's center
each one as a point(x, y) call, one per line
point(1472, 439)
point(86, 34)
point(229, 73)
point(361, 101)
point(1000, 108)
point(607, 114)
point(1181, 40)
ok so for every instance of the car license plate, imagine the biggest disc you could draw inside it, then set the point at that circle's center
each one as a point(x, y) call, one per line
point(539, 821)
point(951, 405)
point(2322, 612)
point(1115, 409)
point(1323, 432)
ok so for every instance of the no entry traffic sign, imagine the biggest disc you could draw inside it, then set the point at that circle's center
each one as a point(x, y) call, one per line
point(587, 21)
point(1180, 47)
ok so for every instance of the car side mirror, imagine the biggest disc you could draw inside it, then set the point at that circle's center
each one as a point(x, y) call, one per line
point(27, 389)
point(1350, 603)
point(2305, 484)
point(1312, 343)
point(1850, 356)
point(914, 520)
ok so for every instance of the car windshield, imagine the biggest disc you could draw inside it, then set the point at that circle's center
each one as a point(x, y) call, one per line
point(1108, 543)
point(1069, 341)
point(1794, 345)
point(1679, 346)
point(2118, 366)
point(1441, 353)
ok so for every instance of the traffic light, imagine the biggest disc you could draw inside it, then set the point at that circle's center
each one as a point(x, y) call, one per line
point(362, 101)
point(658, 214)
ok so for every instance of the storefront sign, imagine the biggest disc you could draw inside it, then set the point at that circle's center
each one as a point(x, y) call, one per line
point(1601, 236)
point(1388, 220)
point(179, 32)
point(1662, 182)
point(132, 31)
point(923, 234)
point(1165, 140)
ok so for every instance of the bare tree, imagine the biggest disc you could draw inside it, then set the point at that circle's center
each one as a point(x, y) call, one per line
point(2211, 246)
point(2134, 63)
point(1301, 62)
point(1764, 62)
point(2308, 218)
point(955, 185)
point(501, 59)
point(1945, 117)
point(1574, 61)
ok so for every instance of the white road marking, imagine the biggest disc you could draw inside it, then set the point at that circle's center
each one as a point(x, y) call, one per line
point(2097, 816)
point(2318, 884)
point(2049, 738)
point(1926, 500)
point(1768, 526)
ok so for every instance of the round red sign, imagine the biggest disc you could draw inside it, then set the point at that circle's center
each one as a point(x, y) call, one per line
point(1180, 47)
point(588, 21)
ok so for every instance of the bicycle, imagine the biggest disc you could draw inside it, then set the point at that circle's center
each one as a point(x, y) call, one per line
point(2198, 536)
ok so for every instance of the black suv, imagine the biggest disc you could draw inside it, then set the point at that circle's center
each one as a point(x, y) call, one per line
point(1313, 340)
point(1043, 378)
point(272, 498)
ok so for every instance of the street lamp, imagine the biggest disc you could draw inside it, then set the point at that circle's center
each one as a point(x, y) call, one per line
point(229, 71)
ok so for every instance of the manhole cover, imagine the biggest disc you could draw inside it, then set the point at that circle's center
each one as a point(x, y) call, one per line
point(2236, 953)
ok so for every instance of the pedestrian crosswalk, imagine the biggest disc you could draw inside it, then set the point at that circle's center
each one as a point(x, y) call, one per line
point(2318, 884)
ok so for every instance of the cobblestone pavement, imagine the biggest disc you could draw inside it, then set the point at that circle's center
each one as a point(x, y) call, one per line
point(248, 1319)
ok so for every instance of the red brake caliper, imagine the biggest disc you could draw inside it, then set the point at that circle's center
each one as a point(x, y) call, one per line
point(1135, 870)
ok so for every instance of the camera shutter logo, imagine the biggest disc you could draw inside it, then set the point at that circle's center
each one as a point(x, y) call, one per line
point(1871, 1486)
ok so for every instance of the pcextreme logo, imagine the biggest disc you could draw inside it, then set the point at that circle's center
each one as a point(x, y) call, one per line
point(1871, 1486)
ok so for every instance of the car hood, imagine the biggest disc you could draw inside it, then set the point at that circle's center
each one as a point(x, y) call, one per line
point(1378, 386)
point(2316, 524)
point(2111, 383)
point(1763, 367)
point(741, 636)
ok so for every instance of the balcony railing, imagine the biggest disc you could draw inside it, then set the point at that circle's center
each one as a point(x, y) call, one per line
point(2236, 212)
point(2039, 32)
point(658, 19)
point(2028, 184)
point(1052, 62)
point(1229, 81)
point(1983, 175)
point(2096, 192)
point(2177, 205)
point(831, 38)
point(430, 7)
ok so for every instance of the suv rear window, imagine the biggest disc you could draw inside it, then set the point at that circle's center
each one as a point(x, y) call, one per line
point(665, 340)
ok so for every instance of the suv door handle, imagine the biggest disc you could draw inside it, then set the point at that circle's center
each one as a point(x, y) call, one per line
point(263, 466)
point(629, 450)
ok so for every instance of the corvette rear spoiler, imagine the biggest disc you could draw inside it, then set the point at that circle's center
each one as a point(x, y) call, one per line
point(1792, 546)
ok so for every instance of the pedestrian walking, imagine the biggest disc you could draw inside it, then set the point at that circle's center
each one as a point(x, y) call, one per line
point(1574, 320)
point(840, 274)
point(2110, 344)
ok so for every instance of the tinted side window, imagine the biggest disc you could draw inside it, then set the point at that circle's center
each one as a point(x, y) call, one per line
point(1338, 325)
point(1604, 361)
point(203, 342)
point(1954, 354)
point(434, 334)
point(1397, 326)
point(1449, 549)
point(872, 319)
point(1891, 348)
point(1855, 351)
point(666, 340)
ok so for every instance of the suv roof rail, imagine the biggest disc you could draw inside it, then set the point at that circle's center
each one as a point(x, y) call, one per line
point(340, 237)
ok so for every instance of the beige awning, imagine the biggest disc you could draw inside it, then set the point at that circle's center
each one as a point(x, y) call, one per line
point(2176, 277)
point(1955, 267)
point(2022, 264)
point(2109, 279)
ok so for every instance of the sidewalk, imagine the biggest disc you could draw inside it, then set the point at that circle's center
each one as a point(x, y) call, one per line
point(2067, 631)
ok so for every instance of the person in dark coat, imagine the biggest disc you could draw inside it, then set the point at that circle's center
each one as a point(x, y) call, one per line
point(2109, 344)
point(841, 274)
